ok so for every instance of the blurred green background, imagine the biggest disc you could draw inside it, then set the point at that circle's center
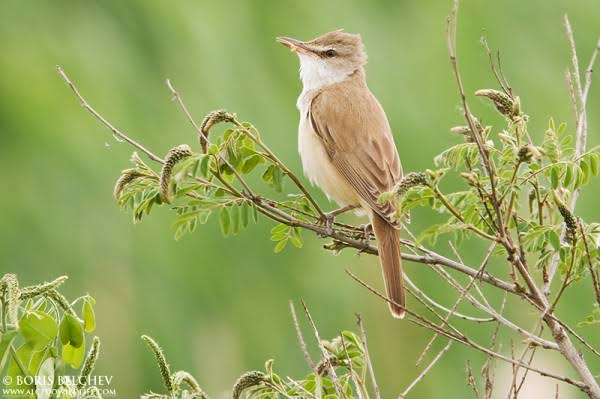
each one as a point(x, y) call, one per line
point(220, 306)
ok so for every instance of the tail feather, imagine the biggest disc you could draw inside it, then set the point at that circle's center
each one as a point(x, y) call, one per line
point(389, 255)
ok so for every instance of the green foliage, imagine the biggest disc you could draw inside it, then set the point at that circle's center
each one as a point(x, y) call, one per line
point(203, 184)
point(282, 234)
point(521, 170)
point(345, 355)
point(48, 333)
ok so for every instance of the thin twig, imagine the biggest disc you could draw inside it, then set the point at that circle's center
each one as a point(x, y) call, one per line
point(105, 122)
point(301, 341)
point(332, 374)
point(461, 338)
point(363, 338)
point(426, 370)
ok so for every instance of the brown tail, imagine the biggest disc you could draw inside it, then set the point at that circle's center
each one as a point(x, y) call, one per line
point(389, 254)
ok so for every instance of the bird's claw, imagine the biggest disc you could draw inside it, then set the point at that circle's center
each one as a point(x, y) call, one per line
point(367, 232)
point(326, 220)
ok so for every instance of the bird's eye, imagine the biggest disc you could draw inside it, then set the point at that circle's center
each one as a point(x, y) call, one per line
point(330, 53)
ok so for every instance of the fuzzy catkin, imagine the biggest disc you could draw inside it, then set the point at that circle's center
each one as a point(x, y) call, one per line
point(165, 371)
point(127, 176)
point(247, 380)
point(504, 104)
point(39, 289)
point(213, 118)
point(173, 157)
point(10, 285)
point(412, 179)
point(89, 363)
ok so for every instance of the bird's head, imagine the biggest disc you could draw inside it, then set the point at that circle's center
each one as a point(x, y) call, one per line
point(329, 58)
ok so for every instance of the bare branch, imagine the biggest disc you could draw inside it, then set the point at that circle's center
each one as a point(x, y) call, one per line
point(336, 382)
point(105, 122)
point(426, 370)
point(301, 341)
point(363, 338)
point(461, 338)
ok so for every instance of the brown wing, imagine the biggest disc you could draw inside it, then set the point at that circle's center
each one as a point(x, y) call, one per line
point(359, 142)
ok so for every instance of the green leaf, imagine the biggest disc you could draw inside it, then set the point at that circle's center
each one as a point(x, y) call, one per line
point(279, 236)
point(204, 166)
point(267, 175)
point(280, 246)
point(250, 163)
point(568, 176)
point(554, 177)
point(73, 356)
point(279, 228)
point(16, 381)
point(38, 329)
point(225, 221)
point(594, 164)
point(554, 239)
point(235, 219)
point(277, 180)
point(585, 171)
point(244, 214)
point(6, 339)
point(296, 238)
point(89, 317)
point(254, 213)
point(71, 331)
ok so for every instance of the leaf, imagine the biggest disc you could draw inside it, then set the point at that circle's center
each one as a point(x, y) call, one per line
point(204, 166)
point(6, 339)
point(235, 219)
point(71, 331)
point(296, 238)
point(279, 228)
point(568, 176)
point(254, 213)
point(244, 214)
point(554, 177)
point(554, 239)
point(250, 163)
point(585, 171)
point(280, 246)
point(278, 180)
point(225, 221)
point(594, 164)
point(73, 356)
point(89, 317)
point(17, 380)
point(38, 329)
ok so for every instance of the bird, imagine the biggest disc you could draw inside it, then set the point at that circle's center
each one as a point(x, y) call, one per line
point(346, 145)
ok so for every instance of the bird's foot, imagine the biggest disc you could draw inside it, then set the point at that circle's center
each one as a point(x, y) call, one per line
point(326, 220)
point(367, 232)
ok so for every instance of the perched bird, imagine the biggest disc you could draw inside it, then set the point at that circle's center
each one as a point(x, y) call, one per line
point(346, 144)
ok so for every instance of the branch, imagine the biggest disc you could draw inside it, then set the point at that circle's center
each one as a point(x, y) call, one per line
point(461, 338)
point(363, 338)
point(581, 124)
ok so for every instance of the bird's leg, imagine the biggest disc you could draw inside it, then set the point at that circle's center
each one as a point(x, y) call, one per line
point(327, 218)
point(367, 231)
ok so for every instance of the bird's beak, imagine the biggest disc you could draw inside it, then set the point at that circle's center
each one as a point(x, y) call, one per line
point(294, 44)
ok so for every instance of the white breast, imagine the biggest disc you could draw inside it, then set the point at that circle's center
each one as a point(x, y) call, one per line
point(316, 164)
